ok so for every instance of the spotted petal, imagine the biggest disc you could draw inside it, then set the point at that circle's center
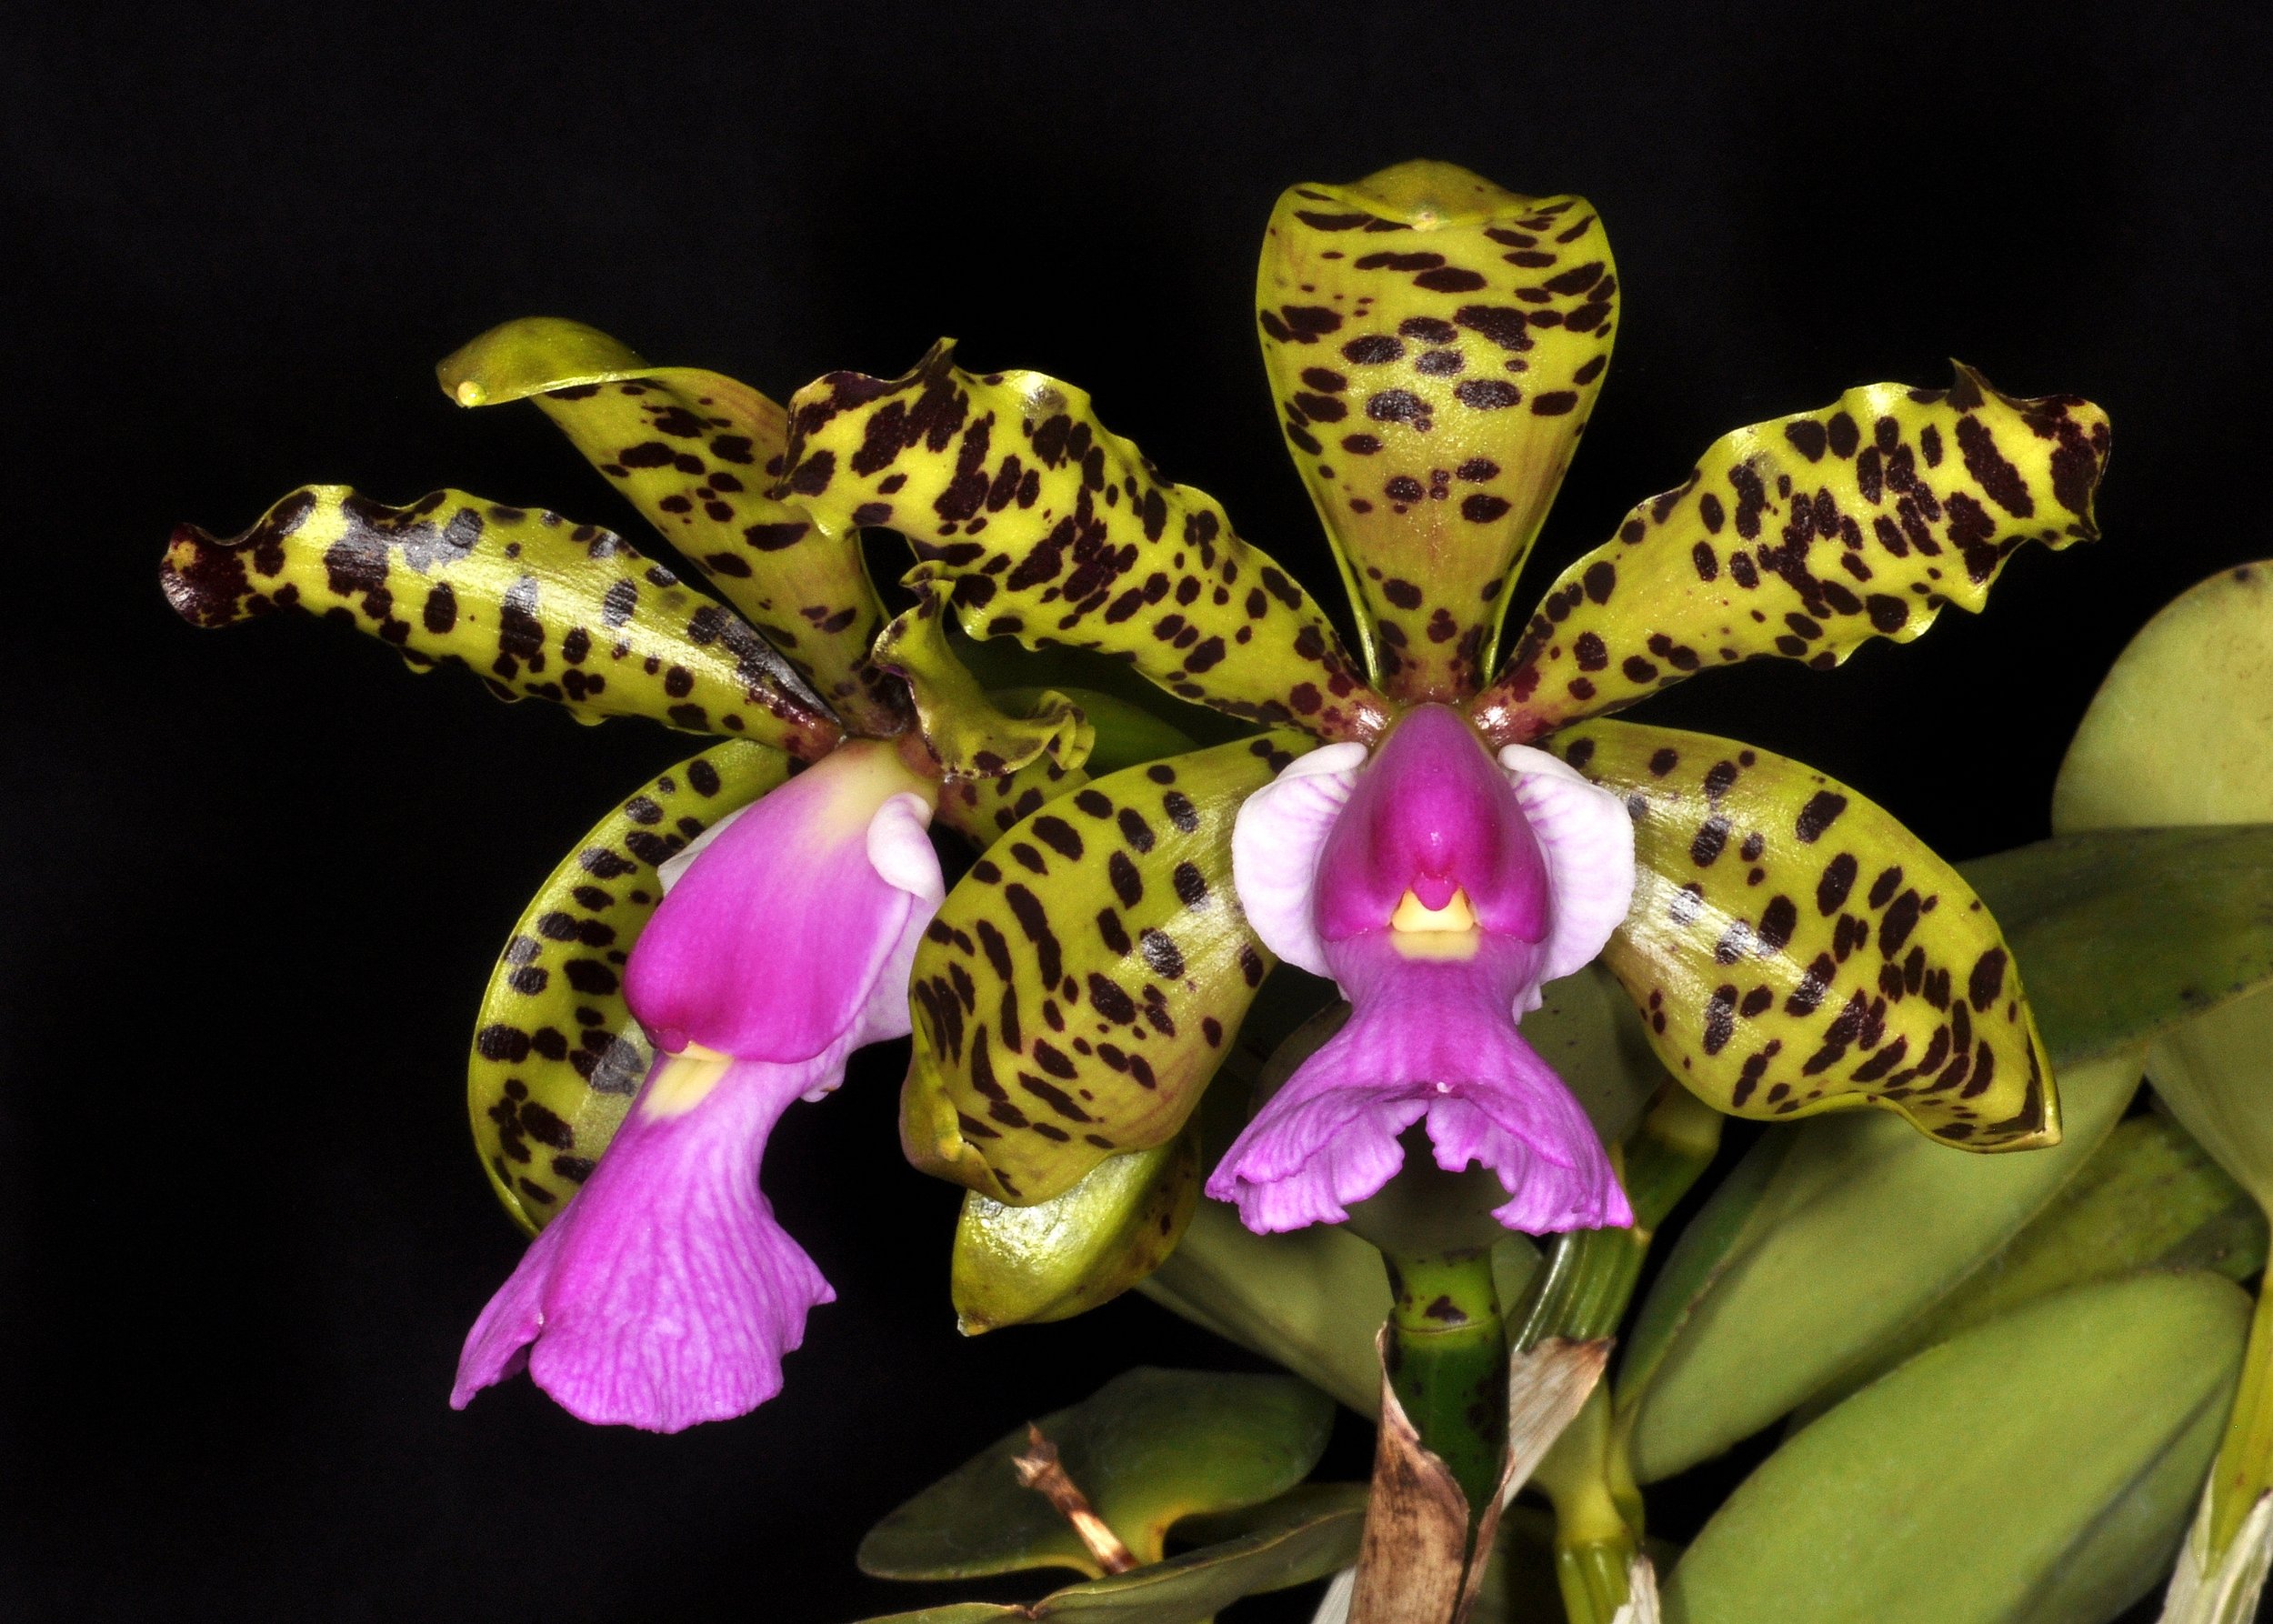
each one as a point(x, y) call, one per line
point(529, 602)
point(557, 1055)
point(1079, 986)
point(1435, 345)
point(1794, 949)
point(1052, 530)
point(1803, 538)
point(696, 453)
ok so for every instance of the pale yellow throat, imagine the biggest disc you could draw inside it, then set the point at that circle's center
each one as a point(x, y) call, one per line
point(1419, 931)
point(686, 1081)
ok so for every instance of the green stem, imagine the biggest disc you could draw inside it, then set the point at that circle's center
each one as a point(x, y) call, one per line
point(1582, 1292)
point(1447, 1362)
point(2244, 1461)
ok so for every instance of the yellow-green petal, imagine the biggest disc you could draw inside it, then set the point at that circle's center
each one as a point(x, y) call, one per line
point(1794, 949)
point(1052, 530)
point(1435, 343)
point(698, 453)
point(532, 604)
point(1081, 984)
point(1804, 537)
point(1031, 1265)
point(557, 1056)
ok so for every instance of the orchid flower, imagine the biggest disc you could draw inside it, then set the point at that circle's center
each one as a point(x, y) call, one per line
point(1471, 826)
point(732, 936)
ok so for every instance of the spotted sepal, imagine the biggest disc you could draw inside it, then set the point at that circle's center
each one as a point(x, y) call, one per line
point(1434, 345)
point(1081, 984)
point(1804, 537)
point(534, 605)
point(556, 1054)
point(1052, 530)
point(697, 452)
point(1794, 949)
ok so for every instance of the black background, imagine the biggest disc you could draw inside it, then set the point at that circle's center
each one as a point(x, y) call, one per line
point(256, 880)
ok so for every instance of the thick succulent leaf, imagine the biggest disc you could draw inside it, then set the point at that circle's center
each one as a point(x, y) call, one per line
point(1314, 1540)
point(698, 453)
point(1804, 537)
point(2125, 935)
point(532, 604)
point(1052, 530)
point(1434, 345)
point(2038, 1469)
point(2129, 934)
point(1855, 1228)
point(1029, 1264)
point(2148, 1198)
point(2181, 732)
point(1079, 986)
point(1150, 1447)
point(2181, 729)
point(1795, 949)
point(557, 1056)
point(1310, 1299)
point(968, 735)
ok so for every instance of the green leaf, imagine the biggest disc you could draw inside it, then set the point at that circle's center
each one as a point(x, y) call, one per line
point(1795, 949)
point(2150, 1197)
point(1029, 1265)
point(531, 604)
point(557, 1055)
point(698, 453)
point(1434, 345)
point(1188, 1588)
point(1053, 530)
point(1803, 538)
point(2181, 732)
point(1310, 1299)
point(2131, 933)
point(1149, 1447)
point(2037, 1470)
point(1861, 1228)
point(1079, 986)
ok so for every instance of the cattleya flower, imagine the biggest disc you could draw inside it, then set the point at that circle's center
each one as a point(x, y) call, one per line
point(1472, 827)
point(773, 921)
point(1438, 830)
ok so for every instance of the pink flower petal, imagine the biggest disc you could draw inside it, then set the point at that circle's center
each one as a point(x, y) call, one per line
point(1275, 845)
point(1433, 1036)
point(1588, 836)
point(773, 941)
point(664, 1294)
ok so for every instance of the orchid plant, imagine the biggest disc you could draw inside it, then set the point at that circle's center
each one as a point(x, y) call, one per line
point(1430, 834)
